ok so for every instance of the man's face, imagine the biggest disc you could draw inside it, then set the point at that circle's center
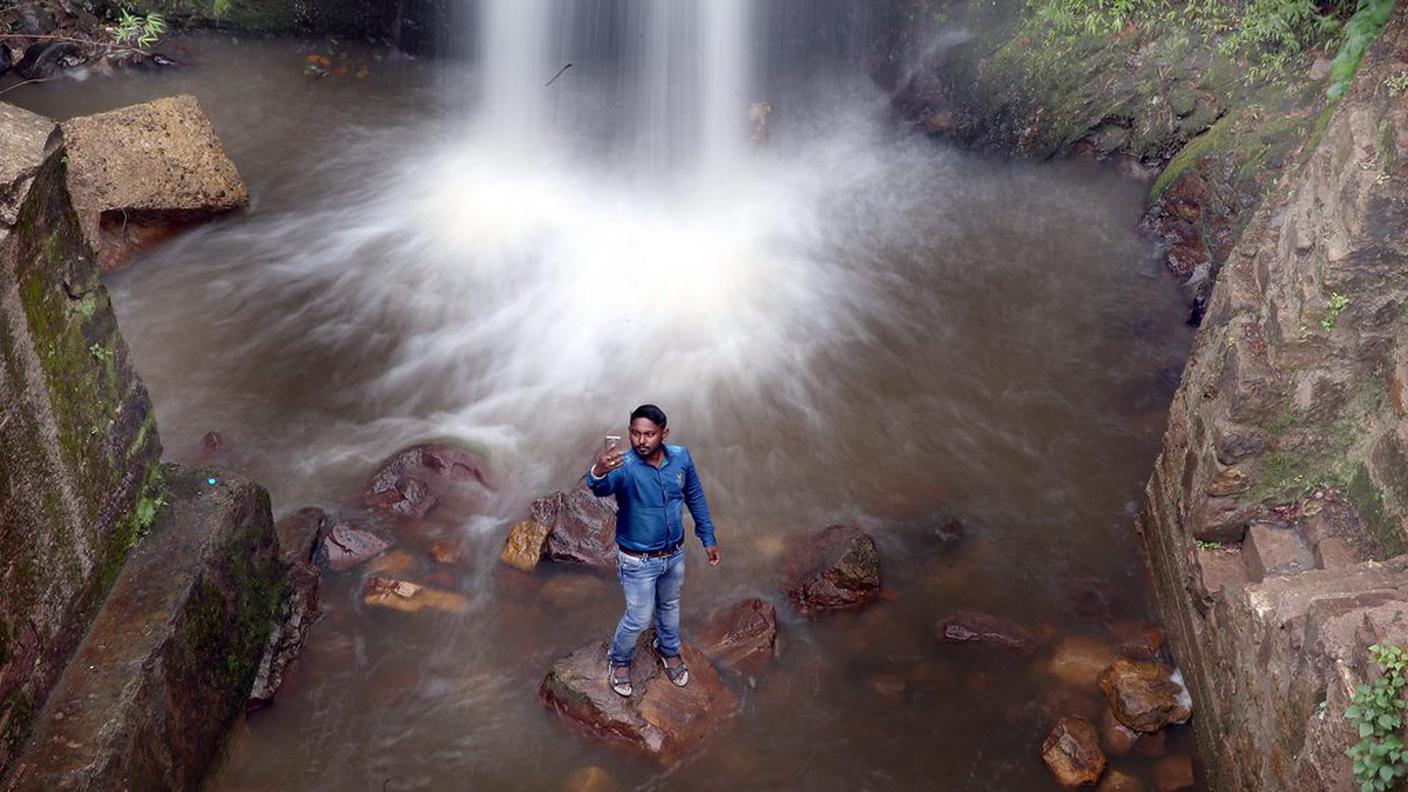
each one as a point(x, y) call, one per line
point(646, 437)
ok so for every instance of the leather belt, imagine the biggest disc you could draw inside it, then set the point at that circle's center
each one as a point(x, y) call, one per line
point(663, 553)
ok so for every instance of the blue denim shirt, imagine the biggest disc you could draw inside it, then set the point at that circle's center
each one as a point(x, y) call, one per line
point(651, 501)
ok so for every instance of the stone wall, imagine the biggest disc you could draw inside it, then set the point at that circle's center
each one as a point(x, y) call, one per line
point(80, 478)
point(1278, 509)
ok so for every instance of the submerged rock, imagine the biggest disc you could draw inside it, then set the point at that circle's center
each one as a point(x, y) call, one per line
point(658, 719)
point(403, 595)
point(399, 486)
point(741, 637)
point(347, 545)
point(527, 540)
point(1079, 659)
point(138, 173)
point(986, 629)
point(1146, 696)
point(581, 527)
point(836, 569)
point(1073, 754)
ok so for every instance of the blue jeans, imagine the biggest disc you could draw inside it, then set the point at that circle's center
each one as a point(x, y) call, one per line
point(652, 586)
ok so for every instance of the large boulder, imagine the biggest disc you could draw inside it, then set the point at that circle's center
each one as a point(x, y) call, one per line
point(299, 535)
point(835, 569)
point(976, 627)
point(399, 486)
point(139, 173)
point(581, 527)
point(1072, 752)
point(741, 637)
point(659, 719)
point(24, 134)
point(1146, 696)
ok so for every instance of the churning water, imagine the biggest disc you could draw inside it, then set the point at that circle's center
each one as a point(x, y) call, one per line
point(846, 322)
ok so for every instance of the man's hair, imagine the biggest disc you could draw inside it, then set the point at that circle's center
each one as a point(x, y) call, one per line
point(651, 413)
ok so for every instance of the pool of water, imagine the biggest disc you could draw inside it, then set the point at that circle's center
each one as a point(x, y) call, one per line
point(853, 324)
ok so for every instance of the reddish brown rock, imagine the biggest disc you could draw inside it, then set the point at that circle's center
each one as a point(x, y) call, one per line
point(1138, 640)
point(1078, 660)
point(299, 534)
point(399, 486)
point(447, 553)
point(1152, 745)
point(1335, 553)
point(1117, 738)
point(836, 569)
point(1120, 781)
point(1146, 696)
point(403, 595)
point(581, 527)
point(1173, 773)
point(347, 545)
point(1220, 568)
point(590, 779)
point(1274, 550)
point(1072, 752)
point(983, 628)
point(658, 719)
point(741, 637)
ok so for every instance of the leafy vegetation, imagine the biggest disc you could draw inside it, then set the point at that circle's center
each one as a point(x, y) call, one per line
point(1380, 758)
point(1338, 302)
point(137, 30)
point(1265, 36)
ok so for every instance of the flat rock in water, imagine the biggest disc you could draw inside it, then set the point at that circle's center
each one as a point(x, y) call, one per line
point(348, 545)
point(986, 629)
point(836, 569)
point(741, 637)
point(581, 527)
point(1072, 752)
point(658, 719)
point(139, 172)
point(403, 595)
point(526, 543)
point(1146, 696)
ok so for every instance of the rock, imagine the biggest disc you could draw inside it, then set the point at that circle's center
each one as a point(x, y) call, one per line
point(1173, 773)
point(835, 569)
point(6, 59)
point(1334, 553)
point(347, 545)
point(1272, 550)
point(1072, 752)
point(138, 173)
point(527, 540)
point(396, 562)
point(402, 496)
point(886, 685)
point(447, 553)
point(741, 637)
point(47, 59)
point(297, 613)
point(1094, 599)
point(167, 665)
point(1319, 69)
point(1152, 745)
point(1138, 640)
point(299, 534)
point(950, 531)
point(1079, 659)
point(986, 629)
point(581, 527)
point(403, 595)
point(589, 779)
point(658, 719)
point(1117, 738)
point(1219, 568)
point(1146, 696)
point(1120, 781)
point(24, 134)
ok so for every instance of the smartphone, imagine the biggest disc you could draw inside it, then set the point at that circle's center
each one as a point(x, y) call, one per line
point(613, 442)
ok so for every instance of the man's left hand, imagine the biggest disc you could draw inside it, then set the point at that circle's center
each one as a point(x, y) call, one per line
point(713, 555)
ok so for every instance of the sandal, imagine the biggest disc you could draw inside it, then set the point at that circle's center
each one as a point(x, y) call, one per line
point(678, 674)
point(621, 686)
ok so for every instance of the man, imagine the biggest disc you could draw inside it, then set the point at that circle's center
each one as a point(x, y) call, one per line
point(651, 487)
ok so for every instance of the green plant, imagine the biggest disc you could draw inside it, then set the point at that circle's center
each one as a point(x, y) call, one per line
point(1398, 83)
point(1377, 713)
point(137, 30)
point(1338, 302)
point(1203, 544)
point(1369, 20)
point(100, 352)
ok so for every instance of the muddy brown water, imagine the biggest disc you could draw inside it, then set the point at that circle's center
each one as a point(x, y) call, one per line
point(901, 335)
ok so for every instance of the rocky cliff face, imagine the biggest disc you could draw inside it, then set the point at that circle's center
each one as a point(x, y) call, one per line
point(1278, 510)
point(80, 479)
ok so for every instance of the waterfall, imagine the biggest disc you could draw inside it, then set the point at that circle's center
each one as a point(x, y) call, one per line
point(664, 83)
